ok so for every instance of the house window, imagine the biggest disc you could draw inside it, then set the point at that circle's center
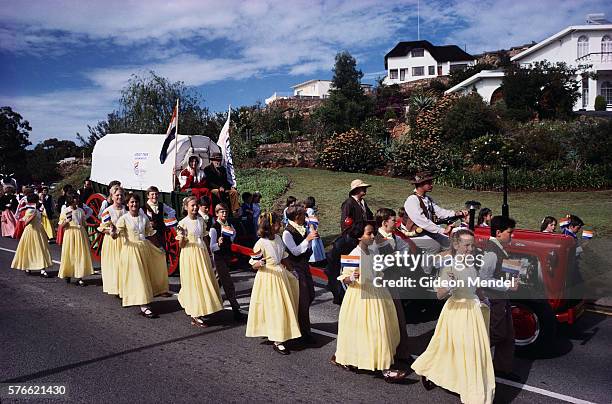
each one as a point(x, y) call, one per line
point(403, 74)
point(418, 71)
point(460, 66)
point(585, 92)
point(393, 74)
point(606, 49)
point(432, 70)
point(583, 46)
point(439, 70)
point(417, 53)
point(606, 91)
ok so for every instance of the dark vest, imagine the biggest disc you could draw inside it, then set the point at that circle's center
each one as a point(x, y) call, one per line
point(226, 247)
point(297, 239)
point(499, 254)
point(157, 219)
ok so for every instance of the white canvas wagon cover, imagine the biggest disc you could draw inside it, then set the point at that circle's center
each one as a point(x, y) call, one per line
point(133, 159)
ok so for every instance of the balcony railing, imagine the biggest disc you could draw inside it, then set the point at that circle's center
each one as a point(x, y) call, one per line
point(604, 57)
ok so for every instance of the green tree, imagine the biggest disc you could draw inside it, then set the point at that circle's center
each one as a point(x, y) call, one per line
point(347, 106)
point(469, 117)
point(545, 90)
point(42, 160)
point(14, 133)
point(146, 106)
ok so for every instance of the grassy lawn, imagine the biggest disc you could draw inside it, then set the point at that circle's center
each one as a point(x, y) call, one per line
point(528, 208)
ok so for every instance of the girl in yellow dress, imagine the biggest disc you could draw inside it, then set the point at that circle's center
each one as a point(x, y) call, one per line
point(142, 264)
point(76, 256)
point(199, 294)
point(273, 311)
point(33, 250)
point(458, 357)
point(110, 256)
point(368, 330)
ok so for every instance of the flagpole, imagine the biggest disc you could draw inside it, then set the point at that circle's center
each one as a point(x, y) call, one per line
point(175, 145)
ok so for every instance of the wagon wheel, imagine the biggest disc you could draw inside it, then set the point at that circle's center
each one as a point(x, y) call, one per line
point(172, 250)
point(95, 237)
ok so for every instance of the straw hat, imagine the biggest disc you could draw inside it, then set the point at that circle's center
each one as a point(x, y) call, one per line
point(421, 177)
point(358, 184)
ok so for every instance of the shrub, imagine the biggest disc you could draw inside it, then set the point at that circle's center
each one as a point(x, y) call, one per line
point(430, 119)
point(351, 151)
point(495, 150)
point(600, 103)
point(375, 129)
point(553, 179)
point(468, 118)
point(242, 150)
point(542, 142)
point(411, 154)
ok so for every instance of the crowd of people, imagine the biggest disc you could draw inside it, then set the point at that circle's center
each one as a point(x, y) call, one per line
point(474, 337)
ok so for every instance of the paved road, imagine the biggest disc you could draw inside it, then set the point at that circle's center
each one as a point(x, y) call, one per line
point(57, 333)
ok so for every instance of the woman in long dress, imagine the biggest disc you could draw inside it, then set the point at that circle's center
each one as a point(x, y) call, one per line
point(273, 310)
point(110, 255)
point(368, 330)
point(458, 357)
point(76, 255)
point(199, 294)
point(142, 264)
point(33, 249)
point(8, 205)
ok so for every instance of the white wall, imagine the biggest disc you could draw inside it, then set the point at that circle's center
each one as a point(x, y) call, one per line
point(408, 62)
point(319, 88)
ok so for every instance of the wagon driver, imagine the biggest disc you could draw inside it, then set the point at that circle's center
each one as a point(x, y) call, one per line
point(220, 187)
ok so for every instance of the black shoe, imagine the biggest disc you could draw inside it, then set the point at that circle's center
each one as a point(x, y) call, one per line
point(307, 339)
point(238, 316)
point(428, 384)
point(67, 280)
point(513, 377)
point(281, 349)
point(148, 313)
point(44, 274)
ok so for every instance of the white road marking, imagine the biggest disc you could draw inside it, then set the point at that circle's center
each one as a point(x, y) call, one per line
point(519, 386)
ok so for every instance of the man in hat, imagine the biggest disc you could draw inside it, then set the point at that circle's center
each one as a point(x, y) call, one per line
point(220, 188)
point(422, 211)
point(355, 214)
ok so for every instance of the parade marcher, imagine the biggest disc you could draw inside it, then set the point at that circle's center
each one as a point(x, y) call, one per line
point(61, 201)
point(220, 187)
point(484, 217)
point(299, 247)
point(368, 332)
point(246, 213)
point(291, 200)
point(22, 206)
point(110, 255)
point(501, 328)
point(273, 310)
point(47, 201)
point(76, 256)
point(160, 215)
point(312, 224)
point(388, 243)
point(354, 215)
point(572, 228)
point(422, 211)
point(143, 272)
point(222, 235)
point(193, 179)
point(32, 252)
point(86, 191)
point(548, 225)
point(256, 208)
point(458, 357)
point(8, 204)
point(199, 294)
point(109, 199)
point(205, 212)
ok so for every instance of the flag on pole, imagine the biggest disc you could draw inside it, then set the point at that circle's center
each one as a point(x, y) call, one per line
point(170, 134)
point(226, 150)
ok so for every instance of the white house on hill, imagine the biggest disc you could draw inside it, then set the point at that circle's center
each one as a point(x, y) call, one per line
point(588, 47)
point(415, 60)
point(310, 89)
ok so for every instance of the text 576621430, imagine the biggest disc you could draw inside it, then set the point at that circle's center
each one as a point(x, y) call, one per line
point(14, 390)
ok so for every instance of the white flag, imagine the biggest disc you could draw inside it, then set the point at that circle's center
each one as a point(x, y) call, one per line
point(226, 150)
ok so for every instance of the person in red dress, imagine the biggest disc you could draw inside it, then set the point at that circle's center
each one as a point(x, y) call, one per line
point(193, 179)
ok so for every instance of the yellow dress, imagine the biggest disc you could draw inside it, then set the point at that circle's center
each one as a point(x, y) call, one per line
point(33, 249)
point(46, 224)
point(110, 255)
point(76, 255)
point(368, 330)
point(458, 357)
point(143, 272)
point(199, 294)
point(273, 308)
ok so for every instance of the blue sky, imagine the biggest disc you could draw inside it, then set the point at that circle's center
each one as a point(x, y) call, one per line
point(64, 62)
